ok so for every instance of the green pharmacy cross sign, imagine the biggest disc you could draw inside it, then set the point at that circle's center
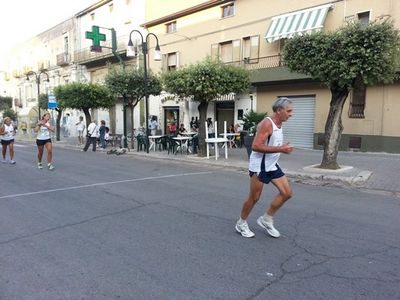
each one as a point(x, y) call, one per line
point(96, 37)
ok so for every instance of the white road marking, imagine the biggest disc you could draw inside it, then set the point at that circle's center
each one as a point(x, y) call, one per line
point(100, 184)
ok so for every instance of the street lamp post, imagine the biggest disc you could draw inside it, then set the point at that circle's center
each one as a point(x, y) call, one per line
point(37, 77)
point(131, 52)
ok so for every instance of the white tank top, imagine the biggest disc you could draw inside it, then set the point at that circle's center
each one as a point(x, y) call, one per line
point(8, 132)
point(271, 159)
point(44, 133)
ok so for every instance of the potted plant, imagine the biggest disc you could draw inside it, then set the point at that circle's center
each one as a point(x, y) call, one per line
point(250, 121)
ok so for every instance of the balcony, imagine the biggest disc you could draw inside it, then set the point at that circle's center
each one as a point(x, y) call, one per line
point(43, 65)
point(63, 59)
point(269, 70)
point(17, 73)
point(91, 58)
point(266, 62)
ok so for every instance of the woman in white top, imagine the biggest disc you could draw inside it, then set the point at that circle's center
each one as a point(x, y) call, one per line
point(7, 132)
point(43, 128)
point(80, 126)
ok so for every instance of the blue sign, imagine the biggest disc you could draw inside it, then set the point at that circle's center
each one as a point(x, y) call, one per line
point(52, 103)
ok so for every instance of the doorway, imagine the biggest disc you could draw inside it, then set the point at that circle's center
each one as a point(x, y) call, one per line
point(225, 111)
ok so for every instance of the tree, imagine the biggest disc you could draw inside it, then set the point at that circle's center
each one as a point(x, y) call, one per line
point(5, 103)
point(203, 82)
point(129, 84)
point(9, 112)
point(84, 96)
point(354, 53)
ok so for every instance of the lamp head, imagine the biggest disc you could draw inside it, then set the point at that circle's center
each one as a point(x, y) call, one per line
point(131, 49)
point(157, 53)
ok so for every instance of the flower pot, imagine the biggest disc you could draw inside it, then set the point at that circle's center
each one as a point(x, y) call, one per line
point(248, 141)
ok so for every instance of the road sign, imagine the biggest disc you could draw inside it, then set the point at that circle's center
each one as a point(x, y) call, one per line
point(52, 102)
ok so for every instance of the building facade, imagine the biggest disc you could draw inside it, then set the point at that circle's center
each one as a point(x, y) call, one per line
point(252, 33)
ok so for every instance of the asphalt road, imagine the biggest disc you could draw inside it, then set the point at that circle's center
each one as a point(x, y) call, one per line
point(109, 227)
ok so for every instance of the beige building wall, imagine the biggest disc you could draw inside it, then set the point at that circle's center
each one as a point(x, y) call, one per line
point(196, 33)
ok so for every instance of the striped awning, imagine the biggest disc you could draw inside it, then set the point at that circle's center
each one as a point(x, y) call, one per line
point(299, 22)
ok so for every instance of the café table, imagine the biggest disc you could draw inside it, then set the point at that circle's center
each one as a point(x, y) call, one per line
point(231, 138)
point(183, 143)
point(153, 141)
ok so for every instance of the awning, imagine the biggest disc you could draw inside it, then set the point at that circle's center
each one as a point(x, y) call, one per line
point(299, 22)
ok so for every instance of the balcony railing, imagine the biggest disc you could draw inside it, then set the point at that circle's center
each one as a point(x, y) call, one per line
point(63, 59)
point(85, 55)
point(266, 62)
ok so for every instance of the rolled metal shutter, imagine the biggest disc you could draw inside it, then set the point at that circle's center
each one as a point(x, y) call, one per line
point(299, 129)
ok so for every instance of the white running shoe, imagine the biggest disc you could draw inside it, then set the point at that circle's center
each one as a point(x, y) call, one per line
point(4, 161)
point(12, 162)
point(244, 230)
point(269, 227)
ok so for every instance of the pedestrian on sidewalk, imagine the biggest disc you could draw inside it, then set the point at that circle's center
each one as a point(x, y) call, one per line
point(43, 128)
point(80, 127)
point(263, 168)
point(7, 132)
point(92, 135)
point(102, 133)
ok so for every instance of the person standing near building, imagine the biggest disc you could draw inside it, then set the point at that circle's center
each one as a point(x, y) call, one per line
point(263, 168)
point(43, 129)
point(102, 133)
point(80, 127)
point(92, 135)
point(7, 132)
point(153, 125)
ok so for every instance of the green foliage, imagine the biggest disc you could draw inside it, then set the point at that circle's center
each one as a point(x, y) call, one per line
point(83, 96)
point(43, 101)
point(206, 80)
point(354, 51)
point(5, 103)
point(129, 83)
point(251, 119)
point(9, 112)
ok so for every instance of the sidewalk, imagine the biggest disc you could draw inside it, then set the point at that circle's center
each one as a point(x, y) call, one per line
point(375, 171)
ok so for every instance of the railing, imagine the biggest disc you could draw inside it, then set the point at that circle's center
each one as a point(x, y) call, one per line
point(266, 62)
point(356, 110)
point(63, 59)
point(85, 55)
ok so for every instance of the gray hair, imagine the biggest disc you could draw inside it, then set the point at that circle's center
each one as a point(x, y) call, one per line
point(281, 102)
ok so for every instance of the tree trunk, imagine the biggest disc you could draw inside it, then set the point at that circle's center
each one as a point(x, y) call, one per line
point(58, 121)
point(333, 129)
point(202, 131)
point(87, 117)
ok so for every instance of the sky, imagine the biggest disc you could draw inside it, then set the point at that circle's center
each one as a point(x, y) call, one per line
point(21, 20)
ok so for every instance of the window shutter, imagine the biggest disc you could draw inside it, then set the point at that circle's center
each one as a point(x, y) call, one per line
point(165, 62)
point(236, 50)
point(254, 48)
point(214, 51)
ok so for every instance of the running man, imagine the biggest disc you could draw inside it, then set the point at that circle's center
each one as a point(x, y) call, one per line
point(7, 132)
point(43, 128)
point(263, 168)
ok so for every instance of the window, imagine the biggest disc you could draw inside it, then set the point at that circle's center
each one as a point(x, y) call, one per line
point(228, 10)
point(170, 61)
point(66, 45)
point(357, 100)
point(111, 7)
point(92, 16)
point(227, 52)
point(170, 27)
point(363, 17)
point(251, 49)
